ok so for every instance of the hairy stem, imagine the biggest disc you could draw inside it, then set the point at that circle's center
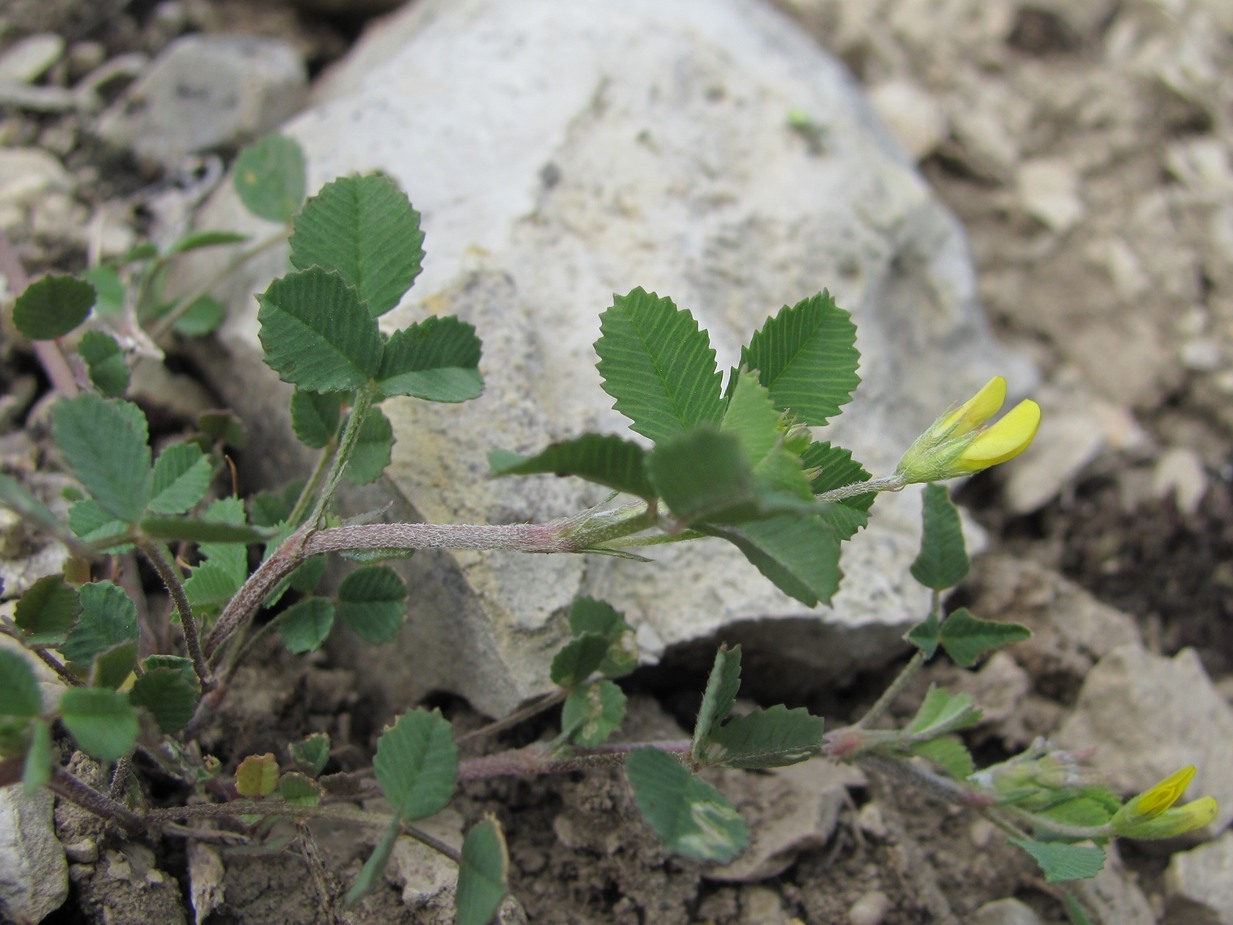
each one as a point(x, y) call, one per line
point(889, 483)
point(518, 716)
point(902, 680)
point(536, 760)
point(346, 447)
point(175, 588)
point(75, 790)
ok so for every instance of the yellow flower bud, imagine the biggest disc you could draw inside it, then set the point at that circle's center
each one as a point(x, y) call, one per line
point(959, 442)
point(1151, 814)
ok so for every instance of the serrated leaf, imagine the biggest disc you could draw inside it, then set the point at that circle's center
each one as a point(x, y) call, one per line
point(52, 307)
point(966, 638)
point(417, 764)
point(298, 790)
point(373, 449)
point(269, 508)
point(271, 178)
point(762, 430)
point(196, 240)
point(949, 754)
point(257, 776)
point(314, 418)
point(108, 289)
point(371, 603)
point(483, 873)
point(169, 689)
point(103, 722)
point(807, 358)
point(942, 712)
point(578, 659)
point(105, 443)
point(366, 229)
point(19, 689)
point(605, 459)
point(771, 738)
point(305, 624)
point(836, 469)
point(1083, 811)
point(717, 700)
point(592, 713)
point(37, 770)
point(112, 666)
point(1062, 862)
point(104, 362)
point(316, 332)
point(799, 554)
point(312, 753)
point(203, 317)
point(436, 359)
point(181, 479)
point(47, 611)
point(943, 560)
point(108, 618)
point(692, 817)
point(211, 585)
point(588, 615)
point(98, 528)
point(202, 530)
point(658, 365)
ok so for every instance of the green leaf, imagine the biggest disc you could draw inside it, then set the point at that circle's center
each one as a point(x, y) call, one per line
point(836, 469)
point(373, 449)
point(223, 427)
point(304, 625)
point(942, 712)
point(366, 229)
point(271, 178)
point(1087, 811)
point(257, 776)
point(105, 443)
point(298, 790)
point(375, 865)
point(483, 874)
point(417, 764)
point(307, 575)
point(1075, 911)
point(948, 753)
point(771, 738)
point(592, 713)
point(436, 359)
point(19, 689)
point(270, 508)
point(169, 689)
point(104, 362)
point(605, 459)
point(965, 638)
point(312, 753)
point(112, 666)
point(692, 817)
point(47, 611)
point(108, 618)
point(316, 332)
point(1062, 862)
point(37, 771)
point(717, 700)
point(103, 722)
point(314, 418)
point(704, 475)
point(370, 603)
point(579, 659)
point(588, 615)
point(108, 288)
point(658, 365)
point(807, 359)
point(203, 317)
point(98, 528)
point(196, 240)
point(201, 530)
point(762, 431)
point(800, 555)
point(926, 635)
point(52, 307)
point(181, 479)
point(943, 561)
point(210, 586)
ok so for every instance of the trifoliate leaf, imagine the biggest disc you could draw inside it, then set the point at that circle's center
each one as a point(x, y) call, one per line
point(106, 444)
point(366, 229)
point(658, 365)
point(807, 359)
point(108, 618)
point(181, 479)
point(1062, 862)
point(762, 430)
point(592, 713)
point(371, 603)
point(717, 700)
point(104, 362)
point(771, 738)
point(691, 816)
point(436, 359)
point(271, 178)
point(103, 722)
point(52, 306)
point(305, 624)
point(316, 332)
point(483, 874)
point(605, 459)
point(417, 764)
point(943, 561)
point(965, 638)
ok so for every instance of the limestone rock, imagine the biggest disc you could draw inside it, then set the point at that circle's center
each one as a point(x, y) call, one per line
point(1006, 912)
point(563, 152)
point(1197, 882)
point(33, 870)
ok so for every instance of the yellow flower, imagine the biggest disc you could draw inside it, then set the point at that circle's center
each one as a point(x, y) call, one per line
point(960, 443)
point(1151, 814)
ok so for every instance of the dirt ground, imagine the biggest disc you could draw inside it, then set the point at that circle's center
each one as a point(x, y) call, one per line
point(1088, 149)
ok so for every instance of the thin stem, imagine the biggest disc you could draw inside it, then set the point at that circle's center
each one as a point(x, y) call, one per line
point(896, 687)
point(889, 483)
point(536, 760)
point(119, 777)
point(309, 492)
point(75, 790)
point(346, 447)
point(543, 703)
point(176, 589)
point(55, 665)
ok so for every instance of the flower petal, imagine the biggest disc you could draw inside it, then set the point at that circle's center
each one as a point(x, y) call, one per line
point(1004, 440)
point(977, 409)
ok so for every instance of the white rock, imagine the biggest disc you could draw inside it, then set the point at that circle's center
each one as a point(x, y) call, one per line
point(1179, 472)
point(1113, 896)
point(1048, 191)
point(26, 59)
point(1149, 715)
point(33, 871)
point(661, 130)
point(205, 91)
point(870, 909)
point(1068, 439)
point(1006, 912)
point(1201, 878)
point(27, 173)
point(912, 114)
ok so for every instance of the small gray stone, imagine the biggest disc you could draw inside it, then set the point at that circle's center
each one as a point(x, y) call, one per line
point(1006, 912)
point(26, 60)
point(206, 91)
point(1198, 883)
point(33, 870)
point(1180, 473)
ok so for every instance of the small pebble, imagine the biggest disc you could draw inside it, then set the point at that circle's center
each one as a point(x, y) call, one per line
point(870, 909)
point(28, 59)
point(1005, 912)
